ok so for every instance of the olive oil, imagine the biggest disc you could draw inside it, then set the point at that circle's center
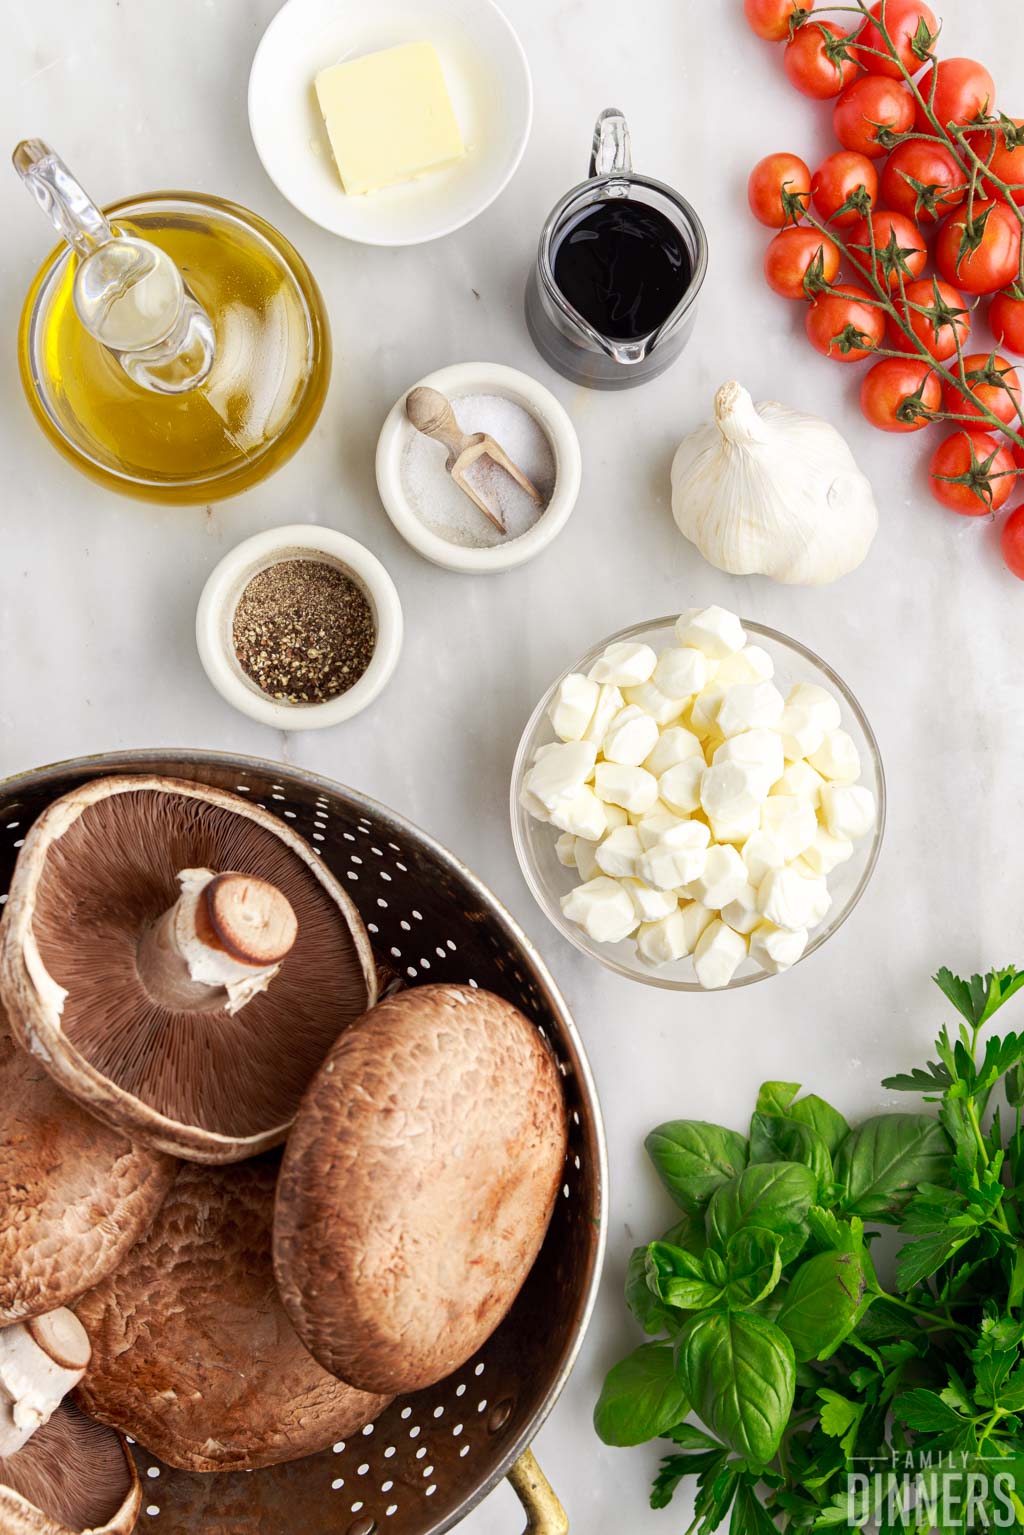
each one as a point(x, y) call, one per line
point(265, 389)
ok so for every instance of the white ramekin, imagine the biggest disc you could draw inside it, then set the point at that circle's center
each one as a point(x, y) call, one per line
point(482, 378)
point(216, 611)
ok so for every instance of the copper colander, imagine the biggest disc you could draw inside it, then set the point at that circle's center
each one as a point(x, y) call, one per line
point(431, 1457)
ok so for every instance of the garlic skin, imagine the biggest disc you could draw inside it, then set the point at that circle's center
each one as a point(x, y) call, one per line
point(764, 490)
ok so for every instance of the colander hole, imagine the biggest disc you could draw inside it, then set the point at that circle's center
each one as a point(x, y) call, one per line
point(575, 1116)
point(376, 851)
point(357, 1505)
point(418, 915)
point(424, 964)
point(427, 1471)
point(400, 865)
point(277, 796)
point(438, 1412)
point(3, 899)
point(414, 1432)
point(371, 927)
point(464, 1450)
point(339, 1447)
point(318, 836)
point(411, 971)
point(405, 926)
point(481, 1406)
point(394, 847)
point(474, 984)
point(289, 813)
point(479, 1369)
point(457, 1430)
point(348, 836)
point(362, 1470)
point(439, 952)
point(153, 1471)
point(577, 1163)
point(368, 1430)
point(385, 876)
point(406, 1412)
point(152, 1509)
point(355, 858)
point(350, 874)
point(338, 1484)
point(392, 1508)
point(13, 825)
point(389, 1452)
point(396, 953)
point(450, 945)
point(431, 1490)
point(20, 842)
point(243, 788)
point(421, 1452)
point(382, 903)
point(565, 1191)
point(460, 1390)
point(386, 1486)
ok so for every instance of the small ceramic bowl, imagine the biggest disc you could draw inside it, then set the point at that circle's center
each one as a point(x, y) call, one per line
point(216, 612)
point(457, 381)
point(488, 79)
point(549, 880)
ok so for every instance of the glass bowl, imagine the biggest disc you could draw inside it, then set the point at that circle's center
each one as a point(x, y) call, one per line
point(549, 880)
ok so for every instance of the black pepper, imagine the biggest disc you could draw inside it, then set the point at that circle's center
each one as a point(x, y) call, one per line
point(303, 631)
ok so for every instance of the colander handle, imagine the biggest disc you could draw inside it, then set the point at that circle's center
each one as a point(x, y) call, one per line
point(544, 1514)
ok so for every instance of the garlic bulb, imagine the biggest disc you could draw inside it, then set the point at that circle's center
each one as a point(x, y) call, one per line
point(763, 490)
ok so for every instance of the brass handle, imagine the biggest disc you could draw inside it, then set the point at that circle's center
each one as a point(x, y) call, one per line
point(544, 1514)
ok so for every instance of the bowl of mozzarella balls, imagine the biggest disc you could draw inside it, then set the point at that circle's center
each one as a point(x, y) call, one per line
point(699, 802)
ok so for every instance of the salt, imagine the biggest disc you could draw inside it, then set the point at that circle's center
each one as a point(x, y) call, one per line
point(446, 510)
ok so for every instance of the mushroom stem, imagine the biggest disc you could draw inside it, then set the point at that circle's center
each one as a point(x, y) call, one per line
point(40, 1362)
point(219, 945)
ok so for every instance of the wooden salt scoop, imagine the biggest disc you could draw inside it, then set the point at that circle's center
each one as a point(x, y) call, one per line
point(431, 413)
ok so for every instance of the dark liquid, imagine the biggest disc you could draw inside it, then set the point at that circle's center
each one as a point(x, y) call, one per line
point(624, 267)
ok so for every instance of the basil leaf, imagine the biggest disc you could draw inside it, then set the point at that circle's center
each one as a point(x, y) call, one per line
point(775, 1139)
point(776, 1097)
point(738, 1371)
point(641, 1397)
point(824, 1304)
point(693, 1159)
point(821, 1116)
point(646, 1308)
point(879, 1165)
point(677, 1278)
point(688, 1232)
point(753, 1265)
point(773, 1196)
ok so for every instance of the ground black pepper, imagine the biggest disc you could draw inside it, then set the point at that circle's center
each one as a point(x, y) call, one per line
point(303, 631)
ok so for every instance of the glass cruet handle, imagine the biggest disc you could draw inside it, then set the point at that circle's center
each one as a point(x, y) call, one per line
point(128, 293)
point(610, 154)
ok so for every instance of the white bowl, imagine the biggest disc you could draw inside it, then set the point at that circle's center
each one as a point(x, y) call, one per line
point(456, 382)
point(216, 612)
point(488, 79)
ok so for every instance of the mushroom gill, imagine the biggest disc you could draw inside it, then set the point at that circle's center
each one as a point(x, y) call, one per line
point(77, 1474)
point(212, 1078)
point(76, 1193)
point(192, 1352)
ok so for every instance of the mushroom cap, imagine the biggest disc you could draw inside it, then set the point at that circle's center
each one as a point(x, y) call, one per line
point(76, 1193)
point(97, 870)
point(417, 1185)
point(192, 1352)
point(73, 1477)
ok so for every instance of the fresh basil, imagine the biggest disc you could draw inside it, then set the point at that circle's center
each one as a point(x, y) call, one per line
point(642, 1397)
point(693, 1159)
point(739, 1373)
point(825, 1301)
point(774, 1196)
point(678, 1278)
point(879, 1165)
point(777, 1139)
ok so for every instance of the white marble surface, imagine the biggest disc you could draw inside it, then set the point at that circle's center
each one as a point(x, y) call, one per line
point(97, 593)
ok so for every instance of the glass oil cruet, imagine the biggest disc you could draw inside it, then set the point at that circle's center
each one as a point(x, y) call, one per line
point(175, 346)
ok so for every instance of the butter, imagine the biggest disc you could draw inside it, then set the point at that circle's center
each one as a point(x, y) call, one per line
point(388, 116)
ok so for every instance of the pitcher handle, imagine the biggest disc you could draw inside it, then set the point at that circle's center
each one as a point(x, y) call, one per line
point(610, 154)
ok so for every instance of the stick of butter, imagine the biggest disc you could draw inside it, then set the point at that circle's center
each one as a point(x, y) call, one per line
point(388, 116)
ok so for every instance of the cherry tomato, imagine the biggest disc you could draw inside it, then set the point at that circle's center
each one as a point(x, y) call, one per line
point(868, 101)
point(994, 260)
point(964, 90)
point(901, 253)
point(1006, 321)
point(845, 325)
point(1012, 541)
point(772, 19)
point(923, 180)
point(985, 486)
point(789, 257)
point(836, 179)
point(1004, 159)
point(771, 177)
point(939, 330)
point(983, 373)
point(901, 19)
point(817, 60)
point(890, 384)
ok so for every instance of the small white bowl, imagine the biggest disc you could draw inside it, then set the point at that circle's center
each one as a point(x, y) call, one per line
point(216, 612)
point(488, 79)
point(457, 381)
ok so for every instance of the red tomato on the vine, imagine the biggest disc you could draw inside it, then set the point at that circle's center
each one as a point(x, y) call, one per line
point(772, 19)
point(972, 473)
point(979, 249)
point(897, 384)
point(818, 61)
point(870, 101)
point(923, 180)
point(770, 178)
point(1012, 541)
point(901, 18)
point(938, 316)
point(835, 181)
point(991, 384)
point(1002, 149)
point(1006, 321)
point(964, 90)
point(901, 252)
point(791, 255)
point(845, 325)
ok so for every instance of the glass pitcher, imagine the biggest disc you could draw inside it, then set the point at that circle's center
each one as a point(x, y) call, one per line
point(573, 345)
point(175, 346)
